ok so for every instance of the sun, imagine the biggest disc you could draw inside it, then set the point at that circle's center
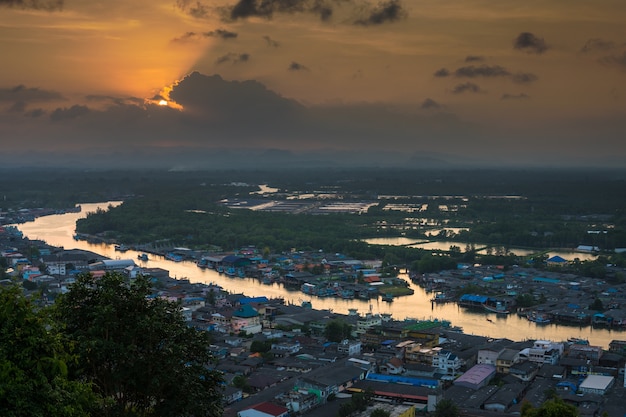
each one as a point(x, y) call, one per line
point(163, 103)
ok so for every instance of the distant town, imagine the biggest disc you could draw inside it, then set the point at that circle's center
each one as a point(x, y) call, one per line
point(280, 358)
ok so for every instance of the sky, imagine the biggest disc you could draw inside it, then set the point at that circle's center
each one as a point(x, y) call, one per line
point(188, 84)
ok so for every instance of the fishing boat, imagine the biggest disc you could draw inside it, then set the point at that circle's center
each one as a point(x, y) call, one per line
point(387, 297)
point(497, 308)
point(538, 318)
point(142, 257)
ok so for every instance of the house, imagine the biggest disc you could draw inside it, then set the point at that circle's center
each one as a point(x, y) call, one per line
point(265, 409)
point(246, 318)
point(447, 362)
point(349, 347)
point(525, 371)
point(231, 394)
point(489, 354)
point(505, 397)
point(506, 359)
point(393, 366)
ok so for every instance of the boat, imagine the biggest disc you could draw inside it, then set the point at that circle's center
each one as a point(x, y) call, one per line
point(121, 248)
point(142, 257)
point(174, 257)
point(538, 317)
point(498, 308)
point(440, 298)
point(387, 297)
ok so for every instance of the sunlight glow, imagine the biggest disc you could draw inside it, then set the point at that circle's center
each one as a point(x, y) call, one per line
point(163, 103)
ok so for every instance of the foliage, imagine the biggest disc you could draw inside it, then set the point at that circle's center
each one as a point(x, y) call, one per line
point(446, 408)
point(551, 408)
point(358, 402)
point(33, 364)
point(137, 350)
point(597, 305)
point(379, 412)
point(260, 346)
point(337, 330)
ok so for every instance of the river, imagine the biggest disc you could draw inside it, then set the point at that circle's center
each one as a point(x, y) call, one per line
point(58, 230)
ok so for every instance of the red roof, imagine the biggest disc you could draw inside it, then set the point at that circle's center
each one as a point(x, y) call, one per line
point(270, 408)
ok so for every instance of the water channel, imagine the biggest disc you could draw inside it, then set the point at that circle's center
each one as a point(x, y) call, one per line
point(58, 230)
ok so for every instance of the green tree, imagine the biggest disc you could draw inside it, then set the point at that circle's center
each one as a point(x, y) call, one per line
point(446, 408)
point(551, 408)
point(33, 364)
point(597, 305)
point(137, 350)
point(379, 412)
point(337, 330)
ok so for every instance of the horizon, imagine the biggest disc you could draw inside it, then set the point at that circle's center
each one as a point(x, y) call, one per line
point(236, 83)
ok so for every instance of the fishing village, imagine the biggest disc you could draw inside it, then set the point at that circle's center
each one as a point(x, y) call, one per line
point(283, 358)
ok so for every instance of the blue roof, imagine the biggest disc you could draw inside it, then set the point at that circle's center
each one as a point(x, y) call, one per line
point(557, 258)
point(245, 311)
point(248, 300)
point(548, 280)
point(474, 298)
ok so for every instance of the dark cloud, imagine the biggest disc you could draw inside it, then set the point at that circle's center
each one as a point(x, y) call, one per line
point(524, 78)
point(28, 95)
point(429, 103)
point(271, 42)
point(598, 45)
point(233, 58)
point(49, 5)
point(186, 37)
point(34, 113)
point(521, 96)
point(466, 88)
point(442, 72)
point(487, 71)
point(472, 71)
point(220, 33)
point(618, 61)
point(17, 107)
point(384, 12)
point(119, 101)
point(73, 112)
point(530, 43)
point(295, 66)
point(267, 8)
point(195, 9)
point(474, 58)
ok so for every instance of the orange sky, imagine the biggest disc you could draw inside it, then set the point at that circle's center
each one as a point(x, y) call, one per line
point(508, 71)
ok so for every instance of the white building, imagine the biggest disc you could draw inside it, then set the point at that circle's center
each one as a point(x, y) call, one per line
point(597, 384)
point(349, 347)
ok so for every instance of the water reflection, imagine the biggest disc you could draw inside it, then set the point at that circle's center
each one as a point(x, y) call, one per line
point(58, 230)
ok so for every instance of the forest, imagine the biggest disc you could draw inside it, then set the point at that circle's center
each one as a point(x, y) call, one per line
point(536, 209)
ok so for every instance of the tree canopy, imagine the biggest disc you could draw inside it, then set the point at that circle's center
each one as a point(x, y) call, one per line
point(137, 350)
point(33, 364)
point(552, 408)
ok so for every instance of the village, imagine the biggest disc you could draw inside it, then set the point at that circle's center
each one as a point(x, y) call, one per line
point(279, 358)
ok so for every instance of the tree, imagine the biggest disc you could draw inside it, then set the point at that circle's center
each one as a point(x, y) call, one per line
point(137, 350)
point(597, 305)
point(379, 412)
point(337, 330)
point(551, 408)
point(446, 408)
point(33, 364)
